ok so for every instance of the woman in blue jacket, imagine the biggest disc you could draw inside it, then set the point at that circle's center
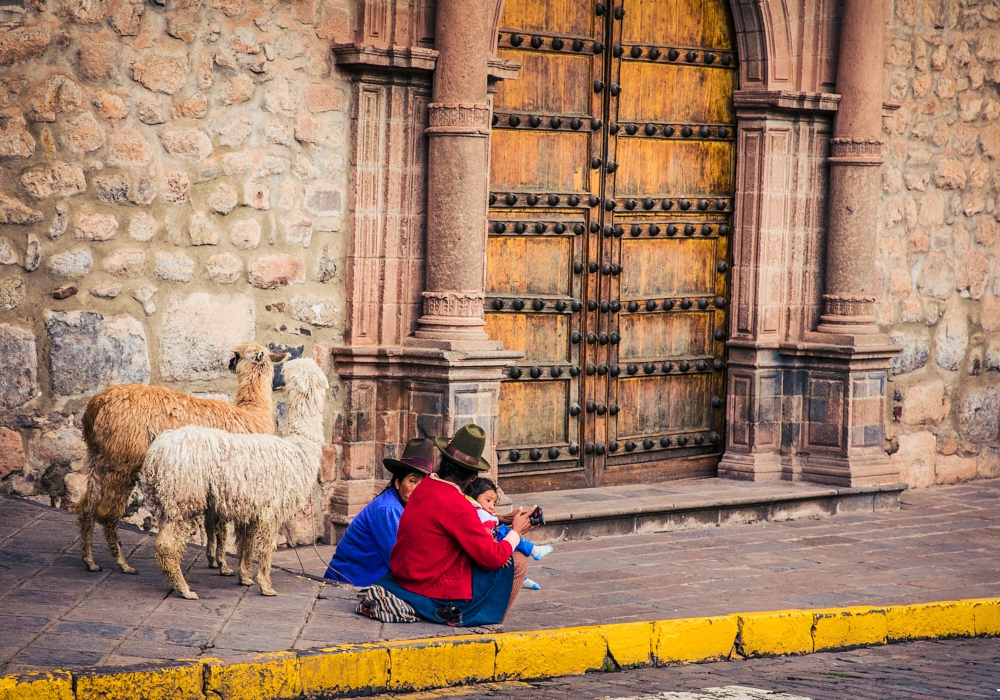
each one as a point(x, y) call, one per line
point(362, 555)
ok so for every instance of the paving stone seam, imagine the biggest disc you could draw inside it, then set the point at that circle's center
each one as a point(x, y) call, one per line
point(145, 617)
point(53, 623)
point(425, 664)
point(24, 527)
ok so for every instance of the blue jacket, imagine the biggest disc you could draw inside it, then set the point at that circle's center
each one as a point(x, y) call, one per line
point(362, 555)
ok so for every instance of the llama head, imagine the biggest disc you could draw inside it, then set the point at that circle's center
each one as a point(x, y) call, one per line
point(305, 392)
point(253, 354)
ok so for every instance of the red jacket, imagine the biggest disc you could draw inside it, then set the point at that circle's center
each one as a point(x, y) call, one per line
point(439, 537)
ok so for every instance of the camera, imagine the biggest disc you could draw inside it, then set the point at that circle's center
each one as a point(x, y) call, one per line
point(537, 517)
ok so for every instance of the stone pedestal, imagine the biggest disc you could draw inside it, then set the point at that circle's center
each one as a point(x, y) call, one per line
point(395, 394)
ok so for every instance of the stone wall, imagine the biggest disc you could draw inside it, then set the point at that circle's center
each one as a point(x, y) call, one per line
point(938, 238)
point(172, 182)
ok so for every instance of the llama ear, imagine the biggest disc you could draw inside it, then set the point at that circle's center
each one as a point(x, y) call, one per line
point(277, 357)
point(232, 362)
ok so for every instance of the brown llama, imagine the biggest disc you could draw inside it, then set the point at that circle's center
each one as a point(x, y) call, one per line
point(121, 422)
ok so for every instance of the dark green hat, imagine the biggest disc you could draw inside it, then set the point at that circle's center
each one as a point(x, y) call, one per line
point(466, 448)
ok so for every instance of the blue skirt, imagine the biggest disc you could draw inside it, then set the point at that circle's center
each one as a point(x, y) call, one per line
point(491, 591)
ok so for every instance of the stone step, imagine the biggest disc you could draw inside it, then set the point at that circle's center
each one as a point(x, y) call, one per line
point(694, 503)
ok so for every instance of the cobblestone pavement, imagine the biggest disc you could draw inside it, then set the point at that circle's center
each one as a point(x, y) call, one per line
point(942, 544)
point(960, 669)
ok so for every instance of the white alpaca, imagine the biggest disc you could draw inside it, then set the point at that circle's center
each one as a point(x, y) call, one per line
point(256, 482)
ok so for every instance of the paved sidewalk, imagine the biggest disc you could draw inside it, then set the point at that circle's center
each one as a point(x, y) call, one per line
point(942, 544)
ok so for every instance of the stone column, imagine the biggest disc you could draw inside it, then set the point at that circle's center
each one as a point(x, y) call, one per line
point(856, 153)
point(457, 172)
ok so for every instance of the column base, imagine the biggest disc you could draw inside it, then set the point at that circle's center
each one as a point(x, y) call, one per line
point(850, 470)
point(752, 467)
point(345, 501)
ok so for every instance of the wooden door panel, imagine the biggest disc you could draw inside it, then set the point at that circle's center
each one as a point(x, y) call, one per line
point(654, 267)
point(667, 405)
point(696, 95)
point(559, 17)
point(664, 336)
point(704, 23)
point(529, 266)
point(539, 161)
point(534, 413)
point(547, 70)
point(543, 338)
point(660, 167)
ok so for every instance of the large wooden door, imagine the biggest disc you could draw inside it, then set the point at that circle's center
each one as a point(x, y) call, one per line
point(610, 215)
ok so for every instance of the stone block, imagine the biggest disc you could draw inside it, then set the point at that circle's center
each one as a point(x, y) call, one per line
point(297, 230)
point(916, 349)
point(96, 59)
point(257, 196)
point(238, 90)
point(952, 339)
point(224, 268)
point(13, 211)
point(75, 484)
point(11, 450)
point(60, 447)
point(280, 97)
point(174, 267)
point(273, 271)
point(233, 132)
point(954, 469)
point(91, 226)
point(127, 148)
point(127, 262)
point(8, 253)
point(317, 311)
point(988, 463)
point(915, 459)
point(925, 404)
point(322, 97)
point(15, 140)
point(194, 107)
point(106, 290)
point(324, 200)
point(198, 333)
point(202, 229)
point(11, 293)
point(41, 182)
point(189, 145)
point(245, 234)
point(24, 43)
point(83, 134)
point(89, 351)
point(973, 274)
point(223, 198)
point(142, 227)
point(979, 414)
point(74, 263)
point(178, 187)
point(160, 71)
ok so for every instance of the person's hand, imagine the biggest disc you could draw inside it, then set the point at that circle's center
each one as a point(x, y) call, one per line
point(506, 519)
point(522, 521)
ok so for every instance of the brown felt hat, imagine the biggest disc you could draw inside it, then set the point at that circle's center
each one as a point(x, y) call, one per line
point(466, 448)
point(418, 456)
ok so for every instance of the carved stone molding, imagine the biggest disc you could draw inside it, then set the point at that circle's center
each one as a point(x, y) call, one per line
point(458, 119)
point(454, 304)
point(855, 151)
point(848, 305)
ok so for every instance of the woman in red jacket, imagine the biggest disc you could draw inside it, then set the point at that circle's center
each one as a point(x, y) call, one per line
point(445, 564)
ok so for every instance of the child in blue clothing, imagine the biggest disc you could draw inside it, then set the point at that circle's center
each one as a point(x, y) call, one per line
point(482, 493)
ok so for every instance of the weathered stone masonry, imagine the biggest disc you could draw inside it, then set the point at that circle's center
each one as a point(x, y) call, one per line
point(173, 181)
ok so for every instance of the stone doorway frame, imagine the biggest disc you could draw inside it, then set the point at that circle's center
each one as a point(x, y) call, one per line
point(415, 360)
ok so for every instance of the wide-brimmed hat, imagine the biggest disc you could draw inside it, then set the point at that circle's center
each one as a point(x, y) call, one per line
point(418, 456)
point(466, 448)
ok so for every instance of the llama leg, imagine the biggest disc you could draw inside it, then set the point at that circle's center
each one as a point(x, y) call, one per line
point(117, 488)
point(211, 542)
point(221, 536)
point(169, 550)
point(85, 519)
point(265, 545)
point(244, 545)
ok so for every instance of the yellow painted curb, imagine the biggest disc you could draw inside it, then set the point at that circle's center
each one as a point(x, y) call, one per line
point(849, 627)
point(426, 664)
point(344, 668)
point(43, 685)
point(932, 620)
point(692, 640)
point(775, 633)
point(436, 663)
point(265, 677)
point(171, 682)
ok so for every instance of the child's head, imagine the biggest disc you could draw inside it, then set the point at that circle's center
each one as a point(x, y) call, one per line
point(484, 491)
